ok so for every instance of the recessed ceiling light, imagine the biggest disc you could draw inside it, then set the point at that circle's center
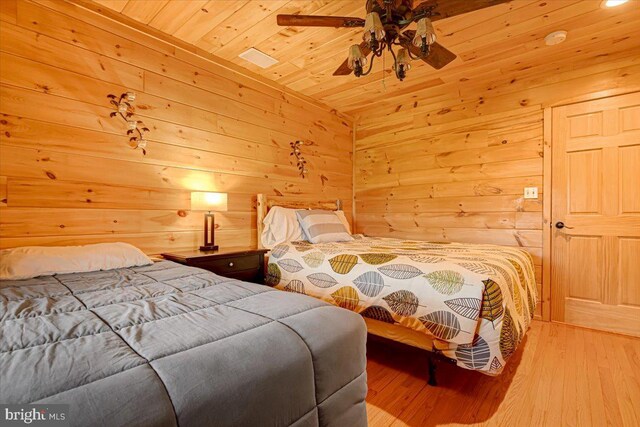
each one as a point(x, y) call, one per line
point(258, 58)
point(556, 37)
point(612, 3)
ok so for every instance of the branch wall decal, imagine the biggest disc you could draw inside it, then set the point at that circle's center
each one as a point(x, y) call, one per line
point(302, 163)
point(135, 128)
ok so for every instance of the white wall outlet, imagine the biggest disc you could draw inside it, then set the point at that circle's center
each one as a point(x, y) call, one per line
point(531, 192)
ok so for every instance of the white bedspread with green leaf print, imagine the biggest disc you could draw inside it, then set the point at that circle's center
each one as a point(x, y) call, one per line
point(475, 301)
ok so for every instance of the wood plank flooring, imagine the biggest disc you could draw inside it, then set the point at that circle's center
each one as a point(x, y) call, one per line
point(560, 376)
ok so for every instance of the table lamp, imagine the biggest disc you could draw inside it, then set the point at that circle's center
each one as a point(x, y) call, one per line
point(208, 202)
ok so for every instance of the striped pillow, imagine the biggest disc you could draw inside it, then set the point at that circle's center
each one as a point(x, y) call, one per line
point(322, 226)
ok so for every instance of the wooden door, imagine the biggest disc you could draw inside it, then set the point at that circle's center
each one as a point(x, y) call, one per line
point(596, 194)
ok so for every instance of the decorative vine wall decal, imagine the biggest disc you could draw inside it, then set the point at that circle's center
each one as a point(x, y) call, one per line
point(135, 128)
point(302, 163)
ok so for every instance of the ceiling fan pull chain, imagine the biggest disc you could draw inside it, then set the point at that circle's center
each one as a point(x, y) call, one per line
point(384, 67)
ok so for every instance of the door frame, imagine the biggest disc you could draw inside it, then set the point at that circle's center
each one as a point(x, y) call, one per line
point(547, 127)
point(547, 225)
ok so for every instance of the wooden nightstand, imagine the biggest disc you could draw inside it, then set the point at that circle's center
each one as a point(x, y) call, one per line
point(237, 263)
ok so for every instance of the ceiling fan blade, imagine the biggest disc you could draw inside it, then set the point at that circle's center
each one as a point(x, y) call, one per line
point(438, 57)
point(343, 69)
point(319, 21)
point(442, 9)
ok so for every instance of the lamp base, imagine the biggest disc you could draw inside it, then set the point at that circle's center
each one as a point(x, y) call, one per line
point(209, 248)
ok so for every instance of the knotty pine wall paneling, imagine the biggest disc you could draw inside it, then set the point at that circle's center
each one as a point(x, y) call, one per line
point(67, 175)
point(453, 167)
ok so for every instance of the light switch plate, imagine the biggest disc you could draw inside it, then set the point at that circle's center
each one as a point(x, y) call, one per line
point(531, 192)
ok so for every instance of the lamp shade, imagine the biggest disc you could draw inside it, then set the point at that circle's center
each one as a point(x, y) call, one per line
point(425, 30)
point(355, 55)
point(373, 26)
point(203, 201)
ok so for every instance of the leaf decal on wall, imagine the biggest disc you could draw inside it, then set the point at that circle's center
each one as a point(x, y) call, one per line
point(377, 258)
point(442, 324)
point(447, 282)
point(491, 301)
point(400, 271)
point(290, 265)
point(314, 259)
point(426, 259)
point(295, 286)
point(273, 275)
point(378, 313)
point(496, 366)
point(322, 280)
point(346, 297)
point(475, 355)
point(370, 283)
point(279, 251)
point(342, 264)
point(466, 307)
point(403, 303)
point(508, 336)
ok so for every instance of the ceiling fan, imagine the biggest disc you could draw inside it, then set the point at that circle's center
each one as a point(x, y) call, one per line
point(386, 26)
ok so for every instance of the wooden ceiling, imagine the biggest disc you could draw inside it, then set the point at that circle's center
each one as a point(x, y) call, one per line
point(504, 41)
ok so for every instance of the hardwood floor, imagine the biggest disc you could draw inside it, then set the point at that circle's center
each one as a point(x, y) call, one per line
point(560, 376)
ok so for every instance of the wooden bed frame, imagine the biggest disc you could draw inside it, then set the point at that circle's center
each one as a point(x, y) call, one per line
point(375, 327)
point(265, 203)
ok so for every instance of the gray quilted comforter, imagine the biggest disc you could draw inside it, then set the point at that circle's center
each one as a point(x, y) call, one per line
point(167, 344)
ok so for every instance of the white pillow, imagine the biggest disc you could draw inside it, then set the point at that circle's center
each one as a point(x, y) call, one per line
point(323, 226)
point(33, 261)
point(280, 225)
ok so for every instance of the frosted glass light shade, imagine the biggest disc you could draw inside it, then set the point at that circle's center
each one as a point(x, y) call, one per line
point(373, 25)
point(204, 201)
point(424, 30)
point(355, 55)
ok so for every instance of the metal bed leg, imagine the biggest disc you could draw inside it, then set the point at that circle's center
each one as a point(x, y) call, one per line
point(432, 371)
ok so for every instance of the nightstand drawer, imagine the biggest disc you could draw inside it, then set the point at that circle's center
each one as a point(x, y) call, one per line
point(236, 263)
point(229, 265)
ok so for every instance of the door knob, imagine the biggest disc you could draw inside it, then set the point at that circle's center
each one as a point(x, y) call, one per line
point(560, 225)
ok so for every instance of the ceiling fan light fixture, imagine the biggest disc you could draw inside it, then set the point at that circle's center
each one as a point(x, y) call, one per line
point(403, 64)
point(424, 33)
point(403, 59)
point(356, 58)
point(387, 29)
point(373, 28)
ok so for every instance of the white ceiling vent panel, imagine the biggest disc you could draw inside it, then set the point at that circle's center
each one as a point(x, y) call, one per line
point(256, 57)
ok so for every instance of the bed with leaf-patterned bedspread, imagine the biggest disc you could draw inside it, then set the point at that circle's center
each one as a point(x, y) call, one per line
point(475, 301)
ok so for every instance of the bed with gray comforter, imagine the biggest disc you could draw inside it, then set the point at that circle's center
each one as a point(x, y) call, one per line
point(170, 345)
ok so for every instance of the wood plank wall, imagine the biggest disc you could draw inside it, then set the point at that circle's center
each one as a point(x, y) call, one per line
point(453, 167)
point(67, 175)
